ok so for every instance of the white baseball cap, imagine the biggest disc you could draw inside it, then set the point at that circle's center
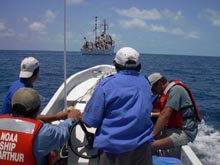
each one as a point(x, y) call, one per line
point(125, 54)
point(28, 65)
point(154, 77)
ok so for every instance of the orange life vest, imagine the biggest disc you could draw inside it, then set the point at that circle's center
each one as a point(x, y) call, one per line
point(16, 140)
point(156, 104)
point(176, 119)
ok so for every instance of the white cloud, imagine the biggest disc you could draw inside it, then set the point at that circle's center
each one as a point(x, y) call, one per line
point(216, 22)
point(6, 31)
point(152, 14)
point(134, 12)
point(37, 27)
point(213, 16)
point(49, 16)
point(138, 23)
point(156, 28)
point(177, 31)
point(194, 34)
point(137, 18)
point(167, 14)
point(24, 19)
point(141, 24)
point(2, 26)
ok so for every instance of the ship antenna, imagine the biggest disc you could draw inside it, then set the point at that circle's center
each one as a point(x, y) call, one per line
point(95, 28)
point(105, 26)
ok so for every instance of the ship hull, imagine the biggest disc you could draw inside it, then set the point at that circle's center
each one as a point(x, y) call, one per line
point(95, 51)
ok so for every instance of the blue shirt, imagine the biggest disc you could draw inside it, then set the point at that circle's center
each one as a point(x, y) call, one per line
point(6, 107)
point(120, 109)
point(50, 137)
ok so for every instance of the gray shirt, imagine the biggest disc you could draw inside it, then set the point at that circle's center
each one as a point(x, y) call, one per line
point(179, 100)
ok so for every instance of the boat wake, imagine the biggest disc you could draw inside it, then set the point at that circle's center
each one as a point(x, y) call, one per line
point(206, 144)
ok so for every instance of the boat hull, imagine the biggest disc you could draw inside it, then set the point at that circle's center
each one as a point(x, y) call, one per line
point(80, 87)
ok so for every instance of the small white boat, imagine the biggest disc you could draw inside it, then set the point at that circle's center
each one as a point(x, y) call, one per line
point(79, 88)
point(102, 45)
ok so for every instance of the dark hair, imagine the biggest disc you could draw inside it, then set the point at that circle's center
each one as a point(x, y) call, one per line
point(20, 110)
point(35, 72)
point(119, 67)
point(163, 80)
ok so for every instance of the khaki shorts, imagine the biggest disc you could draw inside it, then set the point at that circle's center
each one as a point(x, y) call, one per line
point(178, 136)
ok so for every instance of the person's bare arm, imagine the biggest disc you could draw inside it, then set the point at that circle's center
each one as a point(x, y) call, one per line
point(62, 115)
point(162, 119)
point(53, 117)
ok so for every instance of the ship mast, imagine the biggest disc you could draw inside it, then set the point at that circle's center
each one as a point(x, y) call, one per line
point(95, 28)
point(105, 26)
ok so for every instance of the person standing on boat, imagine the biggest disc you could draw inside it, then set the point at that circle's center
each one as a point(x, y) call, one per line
point(120, 109)
point(177, 123)
point(27, 140)
point(29, 72)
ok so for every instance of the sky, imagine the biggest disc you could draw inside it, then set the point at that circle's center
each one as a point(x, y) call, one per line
point(180, 27)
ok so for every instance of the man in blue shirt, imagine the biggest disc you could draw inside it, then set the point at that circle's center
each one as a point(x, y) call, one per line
point(28, 75)
point(30, 138)
point(120, 109)
point(29, 72)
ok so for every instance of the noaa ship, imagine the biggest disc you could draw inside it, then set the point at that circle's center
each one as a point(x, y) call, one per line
point(102, 45)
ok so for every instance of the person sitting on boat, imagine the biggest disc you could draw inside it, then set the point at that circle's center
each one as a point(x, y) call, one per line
point(29, 72)
point(177, 123)
point(120, 109)
point(27, 140)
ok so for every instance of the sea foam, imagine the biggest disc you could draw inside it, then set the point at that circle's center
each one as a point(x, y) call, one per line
point(207, 144)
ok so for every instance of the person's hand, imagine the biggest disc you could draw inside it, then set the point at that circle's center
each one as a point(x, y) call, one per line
point(75, 114)
point(53, 156)
point(70, 108)
point(62, 115)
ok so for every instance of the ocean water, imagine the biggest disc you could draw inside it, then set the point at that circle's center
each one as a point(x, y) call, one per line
point(200, 73)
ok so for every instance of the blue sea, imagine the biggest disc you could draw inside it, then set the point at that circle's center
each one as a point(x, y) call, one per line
point(200, 73)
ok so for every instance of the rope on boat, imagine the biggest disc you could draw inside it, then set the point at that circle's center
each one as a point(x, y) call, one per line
point(91, 90)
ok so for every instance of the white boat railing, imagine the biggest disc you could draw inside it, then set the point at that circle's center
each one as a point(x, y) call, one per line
point(189, 157)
